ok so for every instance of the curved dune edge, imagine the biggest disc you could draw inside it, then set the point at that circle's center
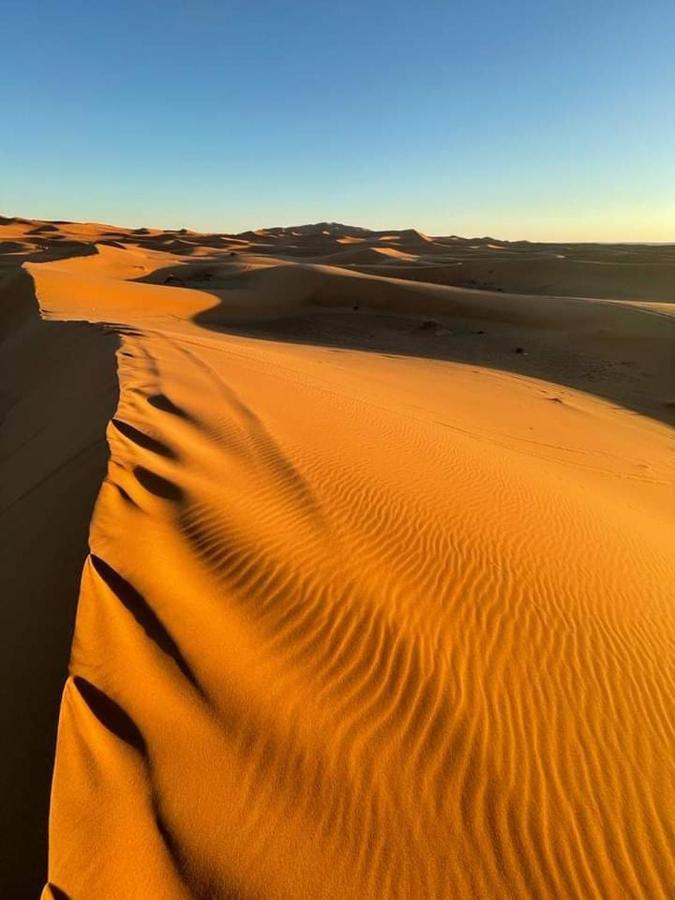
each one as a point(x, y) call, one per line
point(59, 390)
point(359, 626)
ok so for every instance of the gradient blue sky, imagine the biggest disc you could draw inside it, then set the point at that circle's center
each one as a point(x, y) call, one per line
point(515, 118)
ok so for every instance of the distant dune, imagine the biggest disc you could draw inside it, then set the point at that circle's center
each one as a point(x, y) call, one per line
point(367, 539)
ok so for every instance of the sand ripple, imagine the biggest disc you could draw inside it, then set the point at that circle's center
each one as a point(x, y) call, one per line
point(328, 647)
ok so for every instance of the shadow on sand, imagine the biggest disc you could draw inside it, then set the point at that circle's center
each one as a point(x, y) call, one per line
point(628, 363)
point(59, 391)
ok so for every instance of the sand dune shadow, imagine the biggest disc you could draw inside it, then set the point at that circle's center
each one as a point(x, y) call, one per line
point(59, 392)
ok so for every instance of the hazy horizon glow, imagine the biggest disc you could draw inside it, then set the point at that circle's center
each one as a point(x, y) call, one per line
point(512, 119)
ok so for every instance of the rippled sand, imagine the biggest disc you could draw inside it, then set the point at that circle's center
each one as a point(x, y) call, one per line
point(378, 601)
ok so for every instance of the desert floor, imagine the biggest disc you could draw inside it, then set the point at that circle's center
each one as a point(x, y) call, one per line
point(344, 561)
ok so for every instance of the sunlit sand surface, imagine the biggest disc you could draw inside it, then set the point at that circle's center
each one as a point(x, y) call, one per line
point(378, 597)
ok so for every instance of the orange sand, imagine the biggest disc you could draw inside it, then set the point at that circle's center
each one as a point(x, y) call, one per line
point(374, 605)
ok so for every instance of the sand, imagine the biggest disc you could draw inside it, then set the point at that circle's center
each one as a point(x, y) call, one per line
point(376, 596)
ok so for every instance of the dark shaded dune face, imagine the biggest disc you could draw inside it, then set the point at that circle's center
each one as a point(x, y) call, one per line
point(108, 242)
point(53, 457)
point(13, 254)
point(572, 277)
point(407, 236)
point(613, 351)
point(7, 247)
point(13, 220)
point(643, 280)
point(192, 274)
point(172, 245)
point(47, 228)
point(426, 273)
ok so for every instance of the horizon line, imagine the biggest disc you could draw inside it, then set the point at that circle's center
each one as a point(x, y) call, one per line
point(365, 228)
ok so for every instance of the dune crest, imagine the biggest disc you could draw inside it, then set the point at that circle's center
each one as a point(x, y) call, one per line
point(378, 599)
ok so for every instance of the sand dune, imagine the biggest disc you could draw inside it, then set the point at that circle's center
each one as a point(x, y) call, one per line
point(378, 593)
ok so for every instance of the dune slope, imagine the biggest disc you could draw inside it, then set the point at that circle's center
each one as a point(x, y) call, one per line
point(59, 389)
point(361, 618)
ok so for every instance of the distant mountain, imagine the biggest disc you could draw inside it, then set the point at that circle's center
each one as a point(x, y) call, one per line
point(332, 229)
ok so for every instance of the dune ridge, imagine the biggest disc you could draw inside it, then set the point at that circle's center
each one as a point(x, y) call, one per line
point(373, 605)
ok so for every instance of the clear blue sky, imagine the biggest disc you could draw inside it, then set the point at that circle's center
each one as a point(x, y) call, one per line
point(515, 118)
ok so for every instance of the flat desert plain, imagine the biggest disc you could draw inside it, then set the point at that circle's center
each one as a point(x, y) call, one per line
point(344, 561)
